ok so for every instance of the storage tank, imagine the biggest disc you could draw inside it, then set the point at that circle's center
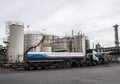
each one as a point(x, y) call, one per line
point(16, 42)
point(79, 44)
point(32, 39)
point(47, 49)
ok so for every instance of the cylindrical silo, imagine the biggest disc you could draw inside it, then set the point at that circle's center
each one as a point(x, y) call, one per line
point(31, 39)
point(16, 42)
point(47, 49)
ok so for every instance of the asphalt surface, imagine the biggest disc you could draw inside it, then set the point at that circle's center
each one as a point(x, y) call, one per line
point(105, 74)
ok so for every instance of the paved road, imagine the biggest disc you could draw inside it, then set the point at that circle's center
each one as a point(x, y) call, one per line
point(107, 74)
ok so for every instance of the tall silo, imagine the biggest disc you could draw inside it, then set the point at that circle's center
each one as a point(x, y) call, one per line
point(31, 39)
point(16, 42)
point(116, 35)
point(79, 44)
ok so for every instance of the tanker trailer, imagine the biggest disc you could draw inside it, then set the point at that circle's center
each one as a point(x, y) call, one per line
point(45, 60)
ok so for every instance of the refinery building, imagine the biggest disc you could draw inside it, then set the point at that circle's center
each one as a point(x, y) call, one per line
point(19, 42)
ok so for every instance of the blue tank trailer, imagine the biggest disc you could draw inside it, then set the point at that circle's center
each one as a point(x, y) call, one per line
point(40, 60)
point(46, 60)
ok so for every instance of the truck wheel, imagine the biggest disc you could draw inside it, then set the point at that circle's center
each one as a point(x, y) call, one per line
point(74, 64)
point(30, 67)
point(39, 67)
point(95, 63)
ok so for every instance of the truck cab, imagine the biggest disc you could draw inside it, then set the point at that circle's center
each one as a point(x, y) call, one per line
point(92, 59)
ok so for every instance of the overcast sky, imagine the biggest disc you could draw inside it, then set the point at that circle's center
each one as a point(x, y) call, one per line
point(95, 18)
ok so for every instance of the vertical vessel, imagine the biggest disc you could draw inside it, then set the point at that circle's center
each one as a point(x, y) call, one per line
point(16, 42)
point(116, 35)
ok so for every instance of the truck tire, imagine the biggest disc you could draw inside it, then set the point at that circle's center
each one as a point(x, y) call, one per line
point(39, 67)
point(74, 64)
point(30, 67)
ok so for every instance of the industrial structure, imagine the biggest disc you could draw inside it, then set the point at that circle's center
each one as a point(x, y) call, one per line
point(20, 43)
point(62, 45)
point(3, 58)
point(79, 44)
point(48, 42)
point(87, 43)
point(53, 43)
point(31, 39)
point(37, 50)
point(15, 41)
point(116, 35)
point(70, 44)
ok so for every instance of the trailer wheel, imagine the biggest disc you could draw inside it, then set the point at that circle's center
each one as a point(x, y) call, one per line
point(30, 67)
point(74, 64)
point(44, 66)
point(94, 63)
point(39, 67)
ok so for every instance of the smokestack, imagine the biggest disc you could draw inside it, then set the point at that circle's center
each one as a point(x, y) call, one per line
point(116, 35)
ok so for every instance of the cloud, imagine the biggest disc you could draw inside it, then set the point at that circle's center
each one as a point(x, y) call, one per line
point(92, 17)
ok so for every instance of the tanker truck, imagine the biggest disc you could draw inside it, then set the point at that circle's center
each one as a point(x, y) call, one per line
point(45, 60)
point(48, 60)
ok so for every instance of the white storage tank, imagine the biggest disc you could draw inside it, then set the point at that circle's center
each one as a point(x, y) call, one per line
point(16, 42)
point(79, 44)
point(46, 49)
point(32, 39)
